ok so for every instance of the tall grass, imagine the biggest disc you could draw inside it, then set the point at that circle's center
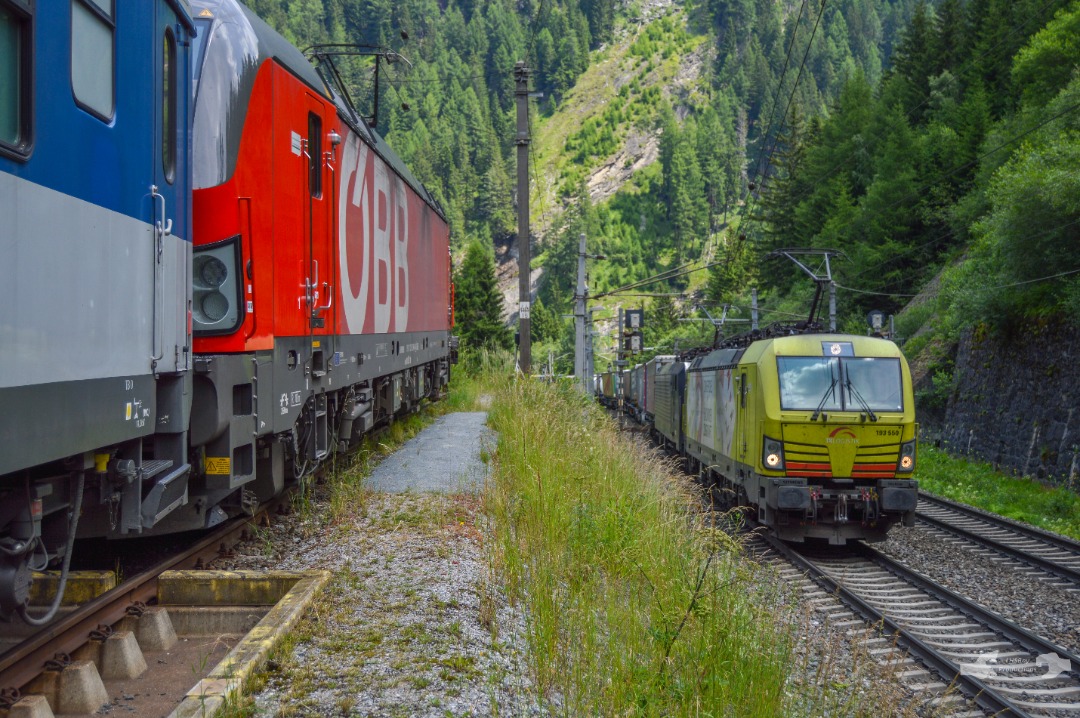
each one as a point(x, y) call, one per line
point(635, 606)
point(978, 484)
point(471, 380)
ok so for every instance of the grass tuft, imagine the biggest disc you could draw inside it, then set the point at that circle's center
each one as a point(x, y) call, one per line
point(978, 484)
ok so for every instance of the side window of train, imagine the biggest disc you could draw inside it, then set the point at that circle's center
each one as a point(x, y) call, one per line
point(16, 63)
point(93, 56)
point(168, 106)
point(315, 154)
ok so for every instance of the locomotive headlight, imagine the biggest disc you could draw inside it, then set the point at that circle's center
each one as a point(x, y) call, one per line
point(906, 464)
point(216, 288)
point(211, 271)
point(214, 306)
point(772, 454)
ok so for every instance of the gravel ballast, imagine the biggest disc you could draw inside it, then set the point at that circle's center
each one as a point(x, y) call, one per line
point(1003, 585)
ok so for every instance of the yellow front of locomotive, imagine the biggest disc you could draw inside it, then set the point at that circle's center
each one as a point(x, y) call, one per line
point(837, 449)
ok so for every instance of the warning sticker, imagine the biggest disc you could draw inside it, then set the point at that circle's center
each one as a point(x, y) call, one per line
point(219, 465)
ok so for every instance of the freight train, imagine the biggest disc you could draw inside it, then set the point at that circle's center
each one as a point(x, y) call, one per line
point(812, 433)
point(216, 274)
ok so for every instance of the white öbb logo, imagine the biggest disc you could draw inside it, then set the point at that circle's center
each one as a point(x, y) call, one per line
point(373, 240)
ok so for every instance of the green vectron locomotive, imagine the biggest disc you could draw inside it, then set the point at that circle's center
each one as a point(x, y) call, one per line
point(813, 433)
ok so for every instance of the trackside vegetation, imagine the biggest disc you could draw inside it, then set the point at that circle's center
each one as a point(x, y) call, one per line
point(635, 605)
point(979, 484)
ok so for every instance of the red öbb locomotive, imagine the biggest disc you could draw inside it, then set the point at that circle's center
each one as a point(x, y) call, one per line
point(321, 268)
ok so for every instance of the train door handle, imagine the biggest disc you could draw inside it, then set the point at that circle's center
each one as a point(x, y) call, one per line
point(162, 226)
point(328, 289)
point(311, 292)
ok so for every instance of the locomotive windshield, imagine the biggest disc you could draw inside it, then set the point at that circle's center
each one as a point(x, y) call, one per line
point(840, 383)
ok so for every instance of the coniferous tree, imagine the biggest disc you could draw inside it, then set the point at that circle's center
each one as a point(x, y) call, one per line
point(478, 304)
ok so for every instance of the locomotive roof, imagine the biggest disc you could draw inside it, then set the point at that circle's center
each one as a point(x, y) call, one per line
point(817, 344)
point(233, 43)
point(250, 42)
point(717, 359)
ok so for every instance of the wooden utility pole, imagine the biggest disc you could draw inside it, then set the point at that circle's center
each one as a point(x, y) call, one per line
point(521, 93)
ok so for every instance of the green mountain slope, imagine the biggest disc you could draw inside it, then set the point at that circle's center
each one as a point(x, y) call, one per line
point(682, 134)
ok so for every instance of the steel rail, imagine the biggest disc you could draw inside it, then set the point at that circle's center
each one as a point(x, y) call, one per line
point(1060, 542)
point(1025, 638)
point(21, 664)
point(983, 694)
point(1051, 567)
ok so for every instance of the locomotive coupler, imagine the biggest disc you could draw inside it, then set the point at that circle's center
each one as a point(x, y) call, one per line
point(841, 509)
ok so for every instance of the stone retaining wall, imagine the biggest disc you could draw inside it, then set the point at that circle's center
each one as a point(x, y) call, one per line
point(1016, 402)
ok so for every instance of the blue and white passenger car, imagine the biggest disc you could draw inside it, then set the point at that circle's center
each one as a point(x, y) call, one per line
point(95, 218)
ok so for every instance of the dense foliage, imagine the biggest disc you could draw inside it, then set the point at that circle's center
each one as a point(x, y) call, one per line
point(963, 156)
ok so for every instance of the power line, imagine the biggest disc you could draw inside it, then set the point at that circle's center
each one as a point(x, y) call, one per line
point(937, 292)
point(794, 89)
point(802, 66)
point(661, 279)
point(984, 155)
point(532, 33)
point(649, 280)
point(922, 188)
point(780, 81)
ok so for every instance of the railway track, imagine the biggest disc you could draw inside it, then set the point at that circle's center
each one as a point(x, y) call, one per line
point(1053, 558)
point(1004, 669)
point(54, 644)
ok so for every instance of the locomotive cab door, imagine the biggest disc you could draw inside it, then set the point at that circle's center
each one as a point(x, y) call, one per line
point(743, 411)
point(320, 281)
point(162, 461)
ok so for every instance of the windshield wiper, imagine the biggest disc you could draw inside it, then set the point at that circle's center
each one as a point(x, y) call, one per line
point(862, 402)
point(821, 404)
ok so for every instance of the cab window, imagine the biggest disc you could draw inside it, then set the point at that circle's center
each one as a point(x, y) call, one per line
point(15, 65)
point(93, 66)
point(315, 154)
point(168, 106)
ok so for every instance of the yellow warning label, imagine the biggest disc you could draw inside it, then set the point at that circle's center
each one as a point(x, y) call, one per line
point(316, 344)
point(218, 465)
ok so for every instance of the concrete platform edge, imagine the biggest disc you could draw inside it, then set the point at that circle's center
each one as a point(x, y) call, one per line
point(228, 677)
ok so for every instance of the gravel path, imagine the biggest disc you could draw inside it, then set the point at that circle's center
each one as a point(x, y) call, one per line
point(445, 457)
point(413, 623)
